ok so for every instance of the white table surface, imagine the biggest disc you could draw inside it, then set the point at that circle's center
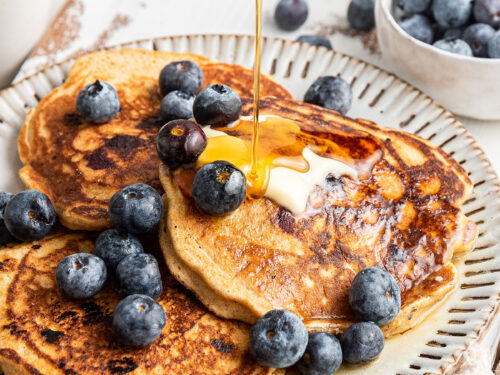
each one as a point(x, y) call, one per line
point(84, 25)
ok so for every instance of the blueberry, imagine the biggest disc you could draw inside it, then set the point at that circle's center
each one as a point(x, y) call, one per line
point(452, 13)
point(97, 103)
point(375, 296)
point(5, 236)
point(136, 208)
point(217, 105)
point(113, 246)
point(138, 320)
point(494, 46)
point(180, 142)
point(323, 355)
point(4, 199)
point(177, 105)
point(139, 274)
point(478, 36)
point(487, 11)
point(29, 215)
point(278, 339)
point(457, 46)
point(219, 188)
point(291, 14)
point(81, 275)
point(414, 6)
point(362, 343)
point(419, 27)
point(315, 40)
point(361, 14)
point(185, 76)
point(454, 33)
point(330, 92)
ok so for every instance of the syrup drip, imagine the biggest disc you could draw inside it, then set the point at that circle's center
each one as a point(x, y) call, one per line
point(281, 144)
point(254, 176)
point(259, 146)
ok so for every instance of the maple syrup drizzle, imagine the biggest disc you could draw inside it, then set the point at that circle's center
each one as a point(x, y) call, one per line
point(297, 158)
point(254, 175)
point(281, 144)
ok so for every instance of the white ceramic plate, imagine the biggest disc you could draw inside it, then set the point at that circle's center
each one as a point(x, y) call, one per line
point(467, 317)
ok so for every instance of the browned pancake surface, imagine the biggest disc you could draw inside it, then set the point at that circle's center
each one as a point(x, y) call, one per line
point(80, 165)
point(403, 216)
point(43, 332)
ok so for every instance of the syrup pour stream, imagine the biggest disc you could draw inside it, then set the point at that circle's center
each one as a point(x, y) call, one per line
point(256, 88)
point(286, 161)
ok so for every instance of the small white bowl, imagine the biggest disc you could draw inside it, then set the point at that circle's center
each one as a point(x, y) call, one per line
point(467, 86)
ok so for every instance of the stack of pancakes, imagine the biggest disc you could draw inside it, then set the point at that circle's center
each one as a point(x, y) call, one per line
point(404, 216)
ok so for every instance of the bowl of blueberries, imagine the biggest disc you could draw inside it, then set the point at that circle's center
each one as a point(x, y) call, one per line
point(449, 49)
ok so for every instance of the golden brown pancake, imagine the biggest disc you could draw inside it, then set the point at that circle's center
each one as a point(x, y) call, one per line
point(404, 215)
point(43, 332)
point(80, 165)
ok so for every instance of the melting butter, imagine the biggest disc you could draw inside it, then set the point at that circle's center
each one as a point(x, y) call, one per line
point(291, 189)
point(288, 186)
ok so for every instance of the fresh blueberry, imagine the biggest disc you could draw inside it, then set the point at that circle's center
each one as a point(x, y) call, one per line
point(315, 40)
point(419, 27)
point(219, 188)
point(453, 33)
point(177, 105)
point(323, 355)
point(81, 275)
point(29, 215)
point(494, 46)
point(330, 92)
point(139, 274)
point(97, 103)
point(138, 320)
point(291, 14)
point(375, 296)
point(487, 11)
point(4, 199)
point(452, 13)
point(5, 236)
point(180, 142)
point(113, 246)
point(478, 36)
point(414, 6)
point(136, 208)
point(361, 14)
point(217, 105)
point(278, 339)
point(457, 46)
point(362, 343)
point(185, 76)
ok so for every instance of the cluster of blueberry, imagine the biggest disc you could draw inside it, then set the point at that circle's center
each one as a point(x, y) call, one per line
point(464, 27)
point(279, 339)
point(137, 319)
point(219, 187)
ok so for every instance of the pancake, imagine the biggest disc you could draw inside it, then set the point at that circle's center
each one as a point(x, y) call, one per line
point(43, 332)
point(79, 165)
point(404, 215)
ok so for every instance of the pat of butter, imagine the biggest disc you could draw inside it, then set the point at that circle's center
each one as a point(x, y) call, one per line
point(291, 188)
